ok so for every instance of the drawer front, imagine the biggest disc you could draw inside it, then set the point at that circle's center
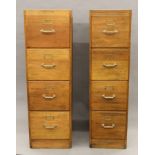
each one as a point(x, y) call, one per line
point(50, 125)
point(109, 125)
point(110, 64)
point(49, 95)
point(47, 28)
point(110, 29)
point(109, 95)
point(48, 64)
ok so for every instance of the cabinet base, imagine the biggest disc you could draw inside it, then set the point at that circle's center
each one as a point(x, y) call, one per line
point(50, 144)
point(114, 144)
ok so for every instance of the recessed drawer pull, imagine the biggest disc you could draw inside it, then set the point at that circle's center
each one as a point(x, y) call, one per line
point(50, 126)
point(109, 97)
point(48, 66)
point(108, 126)
point(49, 97)
point(109, 32)
point(109, 65)
point(47, 31)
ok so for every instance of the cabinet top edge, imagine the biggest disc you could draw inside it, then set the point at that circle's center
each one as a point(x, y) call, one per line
point(52, 11)
point(109, 12)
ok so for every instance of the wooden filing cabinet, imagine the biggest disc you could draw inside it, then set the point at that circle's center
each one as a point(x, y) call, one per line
point(109, 76)
point(48, 37)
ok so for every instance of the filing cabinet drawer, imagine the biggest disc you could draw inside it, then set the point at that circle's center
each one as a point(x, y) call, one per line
point(109, 95)
point(49, 95)
point(110, 64)
point(48, 64)
point(47, 28)
point(49, 125)
point(108, 125)
point(110, 29)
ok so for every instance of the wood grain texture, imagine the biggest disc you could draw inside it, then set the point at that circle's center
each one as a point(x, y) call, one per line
point(110, 28)
point(108, 118)
point(57, 21)
point(41, 91)
point(101, 57)
point(41, 122)
point(109, 61)
point(106, 143)
point(58, 57)
point(71, 77)
point(116, 89)
point(49, 143)
point(48, 40)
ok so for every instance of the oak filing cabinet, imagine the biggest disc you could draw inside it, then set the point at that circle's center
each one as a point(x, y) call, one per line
point(109, 75)
point(48, 35)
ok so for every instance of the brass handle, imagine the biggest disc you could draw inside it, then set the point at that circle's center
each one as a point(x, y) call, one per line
point(49, 97)
point(109, 97)
point(48, 66)
point(108, 126)
point(110, 31)
point(47, 31)
point(50, 126)
point(110, 65)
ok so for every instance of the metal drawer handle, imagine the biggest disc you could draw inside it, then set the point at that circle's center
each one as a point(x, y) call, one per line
point(47, 31)
point(109, 97)
point(110, 65)
point(110, 31)
point(48, 66)
point(50, 126)
point(108, 126)
point(49, 97)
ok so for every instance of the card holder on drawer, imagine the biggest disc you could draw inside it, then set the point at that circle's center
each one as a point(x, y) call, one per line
point(110, 64)
point(109, 95)
point(49, 95)
point(47, 29)
point(49, 125)
point(48, 64)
